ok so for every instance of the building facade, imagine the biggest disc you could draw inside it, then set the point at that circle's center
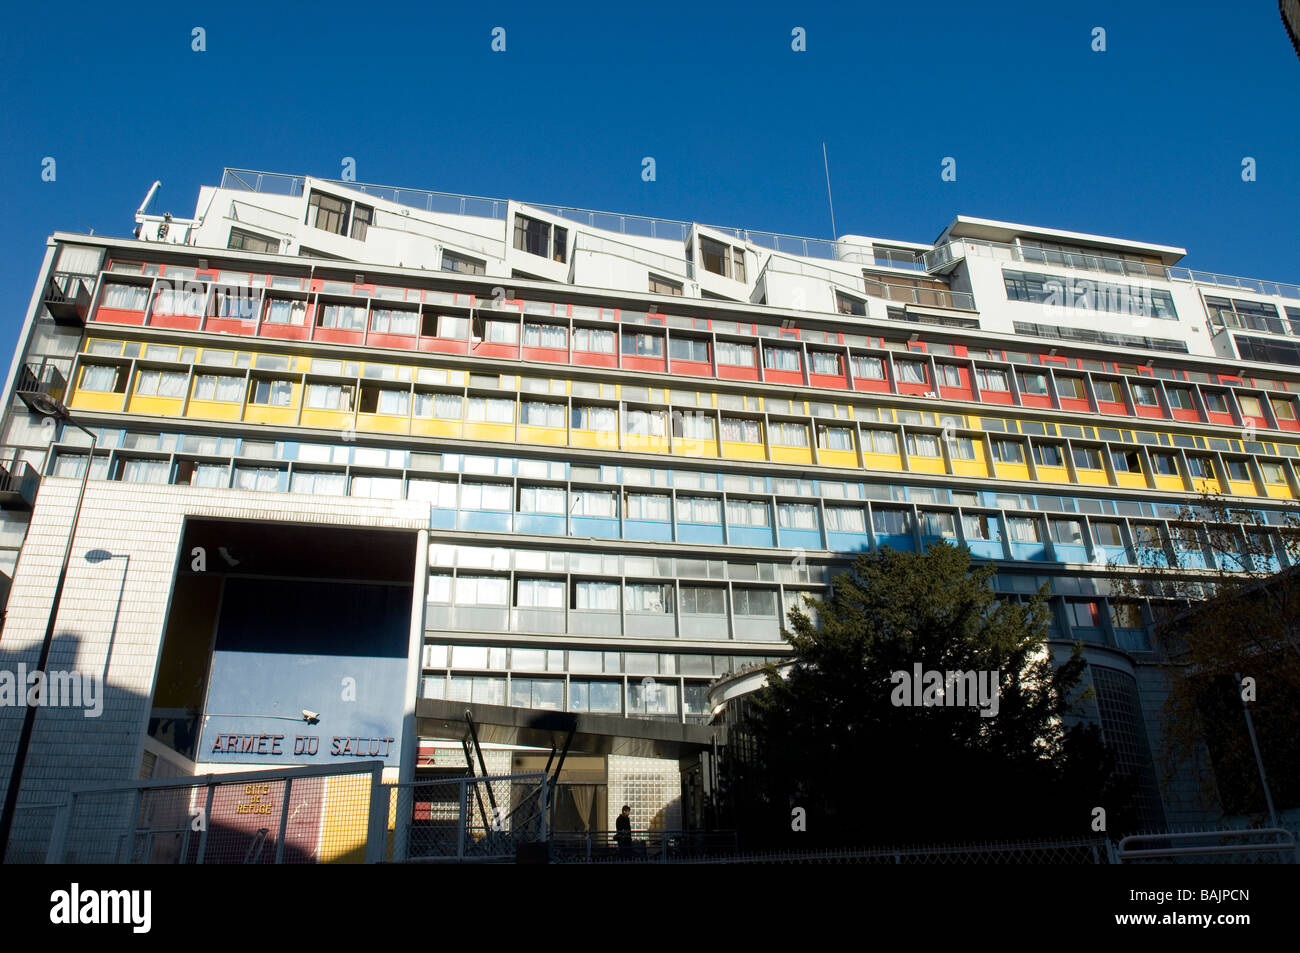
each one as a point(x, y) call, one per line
point(380, 455)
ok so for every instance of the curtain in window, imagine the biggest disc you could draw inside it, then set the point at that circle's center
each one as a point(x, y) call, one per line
point(99, 377)
point(541, 499)
point(781, 358)
point(79, 259)
point(1023, 529)
point(911, 372)
point(542, 414)
point(846, 519)
point(646, 506)
point(890, 522)
point(797, 516)
point(596, 418)
point(179, 301)
point(884, 441)
point(257, 478)
point(741, 431)
point(747, 513)
point(541, 593)
point(790, 435)
point(872, 368)
point(482, 590)
point(825, 362)
point(392, 321)
point(126, 297)
point(924, 445)
point(441, 493)
point(210, 474)
point(648, 597)
point(282, 311)
point(698, 509)
point(144, 471)
point(545, 335)
point(602, 596)
point(599, 503)
point(323, 396)
point(485, 496)
point(396, 402)
point(835, 438)
point(737, 355)
point(593, 340)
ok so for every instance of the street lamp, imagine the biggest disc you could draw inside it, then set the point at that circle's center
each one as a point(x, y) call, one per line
point(47, 406)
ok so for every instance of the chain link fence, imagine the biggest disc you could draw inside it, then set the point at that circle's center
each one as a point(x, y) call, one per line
point(471, 818)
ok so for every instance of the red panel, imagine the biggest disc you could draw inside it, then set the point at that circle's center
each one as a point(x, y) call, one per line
point(1259, 422)
point(693, 368)
point(1284, 424)
point(230, 326)
point(633, 363)
point(1075, 403)
point(871, 384)
point(595, 359)
point(557, 355)
point(909, 388)
point(405, 342)
point(1112, 407)
point(996, 397)
point(959, 350)
point(1224, 419)
point(339, 336)
point(956, 393)
point(1155, 412)
point(444, 345)
point(838, 381)
point(488, 349)
point(784, 377)
point(181, 322)
point(733, 372)
point(292, 332)
point(119, 316)
point(1181, 413)
point(1035, 400)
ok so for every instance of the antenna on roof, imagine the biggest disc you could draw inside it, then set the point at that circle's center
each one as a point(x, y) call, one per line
point(826, 163)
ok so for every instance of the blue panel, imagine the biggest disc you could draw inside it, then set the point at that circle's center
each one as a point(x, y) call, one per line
point(594, 526)
point(699, 532)
point(442, 519)
point(1088, 633)
point(1036, 551)
point(648, 529)
point(1189, 560)
point(801, 538)
point(985, 548)
point(1070, 553)
point(751, 536)
point(848, 542)
point(485, 522)
point(539, 524)
point(900, 541)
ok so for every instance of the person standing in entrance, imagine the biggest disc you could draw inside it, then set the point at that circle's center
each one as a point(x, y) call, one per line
point(623, 829)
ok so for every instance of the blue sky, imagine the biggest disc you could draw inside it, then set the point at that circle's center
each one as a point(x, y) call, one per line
point(1144, 140)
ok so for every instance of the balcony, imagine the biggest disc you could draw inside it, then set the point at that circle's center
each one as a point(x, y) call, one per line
point(18, 483)
point(67, 297)
point(40, 380)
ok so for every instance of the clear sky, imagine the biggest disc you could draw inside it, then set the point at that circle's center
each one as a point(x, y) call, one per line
point(1144, 140)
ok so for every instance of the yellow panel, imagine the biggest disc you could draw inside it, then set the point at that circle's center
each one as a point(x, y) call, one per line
point(838, 458)
point(214, 409)
point(436, 427)
point(692, 447)
point(1093, 477)
point(328, 419)
point(262, 414)
point(344, 826)
point(1053, 474)
point(1279, 490)
point(970, 468)
point(791, 454)
point(388, 423)
point(159, 406)
point(599, 439)
point(742, 451)
point(882, 461)
point(93, 400)
point(486, 431)
point(1207, 485)
point(1166, 482)
point(552, 436)
point(926, 464)
point(1134, 480)
point(1241, 488)
point(645, 443)
point(1012, 471)
point(301, 364)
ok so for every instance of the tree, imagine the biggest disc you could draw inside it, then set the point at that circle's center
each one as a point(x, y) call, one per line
point(1237, 619)
point(834, 738)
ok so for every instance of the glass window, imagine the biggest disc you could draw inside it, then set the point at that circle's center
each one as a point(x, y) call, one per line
point(643, 344)
point(846, 519)
point(1238, 469)
point(1023, 529)
point(692, 426)
point(482, 591)
point(1249, 405)
point(741, 430)
point(648, 597)
point(597, 596)
point(880, 441)
point(1126, 461)
point(1049, 454)
point(891, 522)
point(452, 327)
point(595, 417)
point(258, 478)
point(485, 496)
point(748, 512)
point(1283, 408)
point(462, 264)
point(124, 297)
point(682, 348)
point(1087, 458)
point(992, 378)
point(1070, 387)
point(949, 374)
point(780, 358)
point(593, 340)
point(911, 372)
point(648, 506)
point(1008, 451)
point(1216, 401)
point(162, 383)
point(393, 321)
point(545, 335)
point(1165, 464)
point(869, 368)
point(736, 355)
point(923, 445)
point(542, 499)
point(273, 393)
point(979, 525)
point(785, 434)
point(142, 471)
point(598, 503)
point(538, 413)
point(962, 448)
point(540, 593)
point(796, 516)
point(703, 600)
point(1108, 391)
point(834, 438)
point(1032, 383)
point(826, 362)
point(646, 423)
point(1180, 397)
point(1199, 466)
point(1066, 531)
point(699, 509)
point(491, 410)
point(501, 332)
point(1145, 395)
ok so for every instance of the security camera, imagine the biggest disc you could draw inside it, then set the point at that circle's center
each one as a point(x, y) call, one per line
point(311, 717)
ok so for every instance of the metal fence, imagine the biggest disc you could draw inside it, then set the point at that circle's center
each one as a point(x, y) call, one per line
point(466, 819)
point(318, 814)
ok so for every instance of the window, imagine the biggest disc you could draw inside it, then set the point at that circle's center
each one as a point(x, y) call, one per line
point(1032, 383)
point(538, 413)
point(1083, 615)
point(542, 499)
point(846, 519)
point(440, 406)
point(539, 593)
point(1108, 391)
point(1067, 532)
point(688, 349)
point(327, 212)
point(482, 591)
point(593, 340)
point(441, 493)
point(781, 358)
point(1283, 408)
point(1249, 406)
point(1199, 467)
point(826, 362)
point(785, 434)
point(545, 335)
point(880, 441)
point(1145, 395)
point(597, 503)
point(362, 216)
point(273, 393)
point(250, 241)
point(221, 387)
point(703, 600)
point(992, 378)
point(1106, 534)
point(962, 448)
point(979, 525)
point(595, 417)
point(161, 384)
point(923, 445)
point(285, 311)
point(1238, 469)
point(692, 426)
point(736, 355)
point(258, 478)
point(1126, 461)
point(846, 304)
point(387, 400)
point(193, 473)
point(796, 516)
point(600, 596)
point(648, 597)
point(759, 603)
point(834, 438)
point(869, 368)
point(1070, 387)
point(180, 301)
point(647, 506)
point(1165, 464)
point(452, 328)
point(1181, 398)
point(699, 509)
point(318, 482)
point(1008, 451)
point(237, 303)
point(938, 523)
point(741, 430)
point(1087, 458)
point(142, 471)
point(949, 374)
point(891, 522)
point(124, 297)
point(394, 321)
point(643, 344)
point(911, 372)
point(501, 332)
point(541, 238)
point(646, 423)
point(1023, 529)
point(1273, 472)
point(1049, 454)
point(722, 259)
point(1216, 401)
point(748, 513)
point(1074, 292)
point(493, 410)
point(663, 286)
point(462, 264)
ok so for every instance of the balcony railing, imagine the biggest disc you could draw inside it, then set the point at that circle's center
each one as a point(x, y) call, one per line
point(67, 296)
point(928, 297)
point(40, 379)
point(18, 484)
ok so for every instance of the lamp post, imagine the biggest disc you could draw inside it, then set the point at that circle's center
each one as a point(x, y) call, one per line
point(49, 407)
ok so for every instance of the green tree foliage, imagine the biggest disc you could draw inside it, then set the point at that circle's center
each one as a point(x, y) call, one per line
point(828, 738)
